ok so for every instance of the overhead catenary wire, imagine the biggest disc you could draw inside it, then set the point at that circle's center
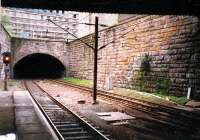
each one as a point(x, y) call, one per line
point(84, 41)
point(71, 34)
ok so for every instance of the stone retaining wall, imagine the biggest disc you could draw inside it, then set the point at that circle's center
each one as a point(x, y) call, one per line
point(4, 46)
point(171, 42)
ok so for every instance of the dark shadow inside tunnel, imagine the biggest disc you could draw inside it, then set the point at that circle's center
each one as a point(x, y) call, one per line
point(38, 66)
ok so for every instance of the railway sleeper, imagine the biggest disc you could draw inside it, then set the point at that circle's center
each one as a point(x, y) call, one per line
point(75, 133)
point(88, 137)
point(55, 112)
point(71, 129)
point(50, 109)
point(70, 125)
point(54, 119)
point(62, 122)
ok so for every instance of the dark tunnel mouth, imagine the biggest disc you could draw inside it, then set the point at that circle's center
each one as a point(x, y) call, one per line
point(39, 66)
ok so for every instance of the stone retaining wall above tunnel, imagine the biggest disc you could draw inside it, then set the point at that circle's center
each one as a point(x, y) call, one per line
point(22, 48)
point(5, 42)
point(172, 46)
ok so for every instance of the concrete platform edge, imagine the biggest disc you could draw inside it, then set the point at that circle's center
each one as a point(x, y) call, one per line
point(43, 119)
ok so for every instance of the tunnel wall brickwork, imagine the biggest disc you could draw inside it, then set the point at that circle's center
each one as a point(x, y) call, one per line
point(24, 47)
point(5, 42)
point(172, 44)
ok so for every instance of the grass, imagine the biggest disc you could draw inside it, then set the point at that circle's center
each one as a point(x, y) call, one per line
point(133, 93)
point(77, 81)
point(141, 95)
point(178, 100)
point(152, 97)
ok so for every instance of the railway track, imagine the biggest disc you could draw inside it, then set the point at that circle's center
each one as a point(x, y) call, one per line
point(177, 118)
point(66, 124)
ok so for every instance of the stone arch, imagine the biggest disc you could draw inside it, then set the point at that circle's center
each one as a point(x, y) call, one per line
point(24, 47)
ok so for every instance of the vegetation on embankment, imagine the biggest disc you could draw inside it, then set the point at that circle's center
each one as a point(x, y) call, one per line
point(153, 97)
point(77, 81)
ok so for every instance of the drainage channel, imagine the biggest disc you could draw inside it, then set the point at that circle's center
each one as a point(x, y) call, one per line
point(65, 124)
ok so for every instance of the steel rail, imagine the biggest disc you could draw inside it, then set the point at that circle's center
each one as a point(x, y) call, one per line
point(85, 124)
point(157, 111)
point(168, 109)
point(45, 115)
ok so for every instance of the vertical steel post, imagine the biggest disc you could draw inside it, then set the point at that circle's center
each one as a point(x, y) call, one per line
point(5, 79)
point(95, 61)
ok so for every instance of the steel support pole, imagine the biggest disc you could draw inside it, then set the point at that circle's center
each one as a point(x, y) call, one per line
point(95, 62)
point(5, 79)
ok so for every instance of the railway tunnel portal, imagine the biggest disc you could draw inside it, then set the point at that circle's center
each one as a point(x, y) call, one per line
point(38, 59)
point(38, 65)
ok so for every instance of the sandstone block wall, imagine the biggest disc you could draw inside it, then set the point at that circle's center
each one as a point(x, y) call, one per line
point(4, 47)
point(23, 47)
point(171, 42)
